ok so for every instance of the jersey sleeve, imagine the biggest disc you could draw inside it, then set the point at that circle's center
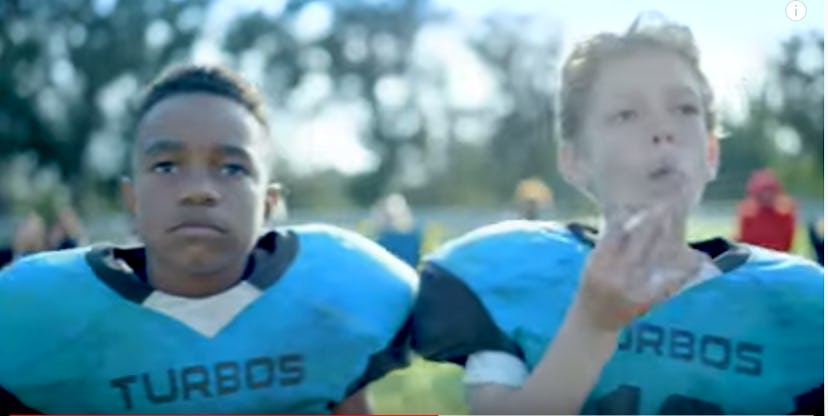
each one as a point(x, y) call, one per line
point(11, 405)
point(811, 402)
point(27, 306)
point(450, 322)
point(502, 288)
point(380, 295)
point(791, 290)
point(396, 356)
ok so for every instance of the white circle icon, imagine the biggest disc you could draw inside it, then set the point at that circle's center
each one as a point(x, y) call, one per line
point(796, 10)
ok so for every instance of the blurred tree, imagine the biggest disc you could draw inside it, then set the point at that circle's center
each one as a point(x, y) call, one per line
point(385, 58)
point(321, 53)
point(523, 52)
point(800, 75)
point(784, 126)
point(507, 134)
point(68, 72)
point(453, 113)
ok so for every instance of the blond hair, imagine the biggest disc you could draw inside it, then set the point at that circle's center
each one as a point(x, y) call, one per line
point(533, 189)
point(583, 66)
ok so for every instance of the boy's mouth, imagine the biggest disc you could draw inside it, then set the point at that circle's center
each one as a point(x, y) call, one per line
point(197, 228)
point(661, 173)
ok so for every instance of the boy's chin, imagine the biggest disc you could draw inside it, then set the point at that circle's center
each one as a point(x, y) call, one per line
point(204, 264)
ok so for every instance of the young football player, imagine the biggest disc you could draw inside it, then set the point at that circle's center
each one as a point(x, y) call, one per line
point(213, 313)
point(552, 319)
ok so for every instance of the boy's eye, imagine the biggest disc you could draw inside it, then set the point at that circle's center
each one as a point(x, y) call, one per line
point(165, 167)
point(234, 169)
point(624, 115)
point(688, 109)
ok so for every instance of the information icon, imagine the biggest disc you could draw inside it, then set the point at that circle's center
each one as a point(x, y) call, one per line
point(796, 10)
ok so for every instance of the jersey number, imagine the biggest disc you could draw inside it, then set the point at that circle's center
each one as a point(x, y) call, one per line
point(626, 399)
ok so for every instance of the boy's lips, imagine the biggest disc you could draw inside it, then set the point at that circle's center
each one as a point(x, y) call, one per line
point(662, 172)
point(197, 228)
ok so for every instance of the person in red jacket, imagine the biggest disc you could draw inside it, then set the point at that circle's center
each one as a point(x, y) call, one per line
point(767, 216)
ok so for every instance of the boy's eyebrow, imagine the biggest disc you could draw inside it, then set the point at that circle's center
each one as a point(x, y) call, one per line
point(160, 146)
point(622, 95)
point(235, 151)
point(682, 90)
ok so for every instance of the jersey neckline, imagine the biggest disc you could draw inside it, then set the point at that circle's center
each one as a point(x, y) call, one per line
point(726, 255)
point(120, 268)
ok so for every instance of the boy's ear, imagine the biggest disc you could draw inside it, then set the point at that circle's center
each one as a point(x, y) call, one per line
point(713, 157)
point(272, 198)
point(571, 166)
point(128, 195)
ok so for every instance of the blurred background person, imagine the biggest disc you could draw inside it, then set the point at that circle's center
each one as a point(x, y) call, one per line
point(29, 237)
point(532, 197)
point(67, 231)
point(397, 231)
point(767, 215)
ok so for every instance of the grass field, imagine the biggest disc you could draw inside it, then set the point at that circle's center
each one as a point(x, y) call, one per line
point(423, 388)
point(427, 387)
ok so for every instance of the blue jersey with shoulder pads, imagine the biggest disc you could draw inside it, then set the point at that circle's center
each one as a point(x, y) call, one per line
point(321, 313)
point(749, 341)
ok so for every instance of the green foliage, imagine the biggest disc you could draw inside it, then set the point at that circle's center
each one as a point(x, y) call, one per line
point(788, 107)
point(59, 63)
point(70, 71)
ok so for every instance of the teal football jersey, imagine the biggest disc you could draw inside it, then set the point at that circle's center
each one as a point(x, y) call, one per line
point(320, 314)
point(748, 341)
